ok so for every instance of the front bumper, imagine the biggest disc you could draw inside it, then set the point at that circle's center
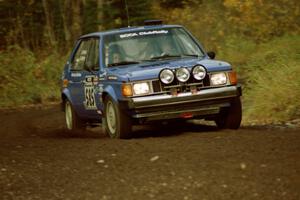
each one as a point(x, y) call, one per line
point(204, 102)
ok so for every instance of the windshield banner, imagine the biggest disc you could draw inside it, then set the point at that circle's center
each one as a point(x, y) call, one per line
point(126, 35)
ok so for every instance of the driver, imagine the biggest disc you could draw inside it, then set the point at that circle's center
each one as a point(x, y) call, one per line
point(116, 58)
point(167, 48)
point(114, 54)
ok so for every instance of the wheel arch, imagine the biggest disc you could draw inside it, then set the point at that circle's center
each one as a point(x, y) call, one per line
point(65, 95)
point(109, 91)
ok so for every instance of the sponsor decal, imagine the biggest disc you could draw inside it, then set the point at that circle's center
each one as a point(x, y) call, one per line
point(90, 84)
point(112, 78)
point(100, 88)
point(91, 79)
point(102, 77)
point(75, 74)
point(89, 96)
point(142, 33)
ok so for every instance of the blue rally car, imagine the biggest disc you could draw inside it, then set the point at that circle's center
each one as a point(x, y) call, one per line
point(144, 74)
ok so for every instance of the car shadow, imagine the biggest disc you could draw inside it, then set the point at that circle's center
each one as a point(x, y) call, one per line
point(172, 129)
point(61, 133)
point(78, 134)
point(49, 123)
point(139, 132)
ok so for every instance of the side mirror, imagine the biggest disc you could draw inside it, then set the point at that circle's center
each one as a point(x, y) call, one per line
point(211, 54)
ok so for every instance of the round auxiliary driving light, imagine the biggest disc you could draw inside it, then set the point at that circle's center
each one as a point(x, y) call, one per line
point(182, 74)
point(199, 72)
point(166, 76)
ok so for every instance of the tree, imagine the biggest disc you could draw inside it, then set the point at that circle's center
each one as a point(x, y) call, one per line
point(171, 4)
point(114, 13)
point(49, 31)
point(263, 19)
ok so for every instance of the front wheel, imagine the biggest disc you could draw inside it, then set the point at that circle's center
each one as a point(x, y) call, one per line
point(230, 118)
point(73, 122)
point(115, 122)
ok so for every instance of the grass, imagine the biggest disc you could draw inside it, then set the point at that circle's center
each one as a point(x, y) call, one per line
point(27, 79)
point(270, 74)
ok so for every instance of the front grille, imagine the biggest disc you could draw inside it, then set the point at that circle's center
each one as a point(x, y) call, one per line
point(156, 86)
point(179, 87)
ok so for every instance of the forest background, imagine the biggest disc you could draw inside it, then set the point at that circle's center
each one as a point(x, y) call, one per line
point(260, 38)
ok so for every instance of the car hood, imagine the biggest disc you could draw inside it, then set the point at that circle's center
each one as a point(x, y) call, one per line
point(150, 70)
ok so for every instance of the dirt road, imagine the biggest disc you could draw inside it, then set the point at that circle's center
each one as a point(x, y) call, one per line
point(39, 160)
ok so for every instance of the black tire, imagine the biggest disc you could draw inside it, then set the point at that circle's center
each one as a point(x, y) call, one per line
point(73, 122)
point(115, 122)
point(230, 118)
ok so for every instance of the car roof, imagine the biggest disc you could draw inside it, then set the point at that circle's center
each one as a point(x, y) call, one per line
point(128, 29)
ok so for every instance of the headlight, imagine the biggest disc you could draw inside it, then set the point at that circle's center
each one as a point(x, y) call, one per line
point(141, 88)
point(218, 79)
point(199, 72)
point(182, 74)
point(166, 76)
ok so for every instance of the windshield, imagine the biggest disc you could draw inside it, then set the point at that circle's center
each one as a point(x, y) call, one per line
point(149, 45)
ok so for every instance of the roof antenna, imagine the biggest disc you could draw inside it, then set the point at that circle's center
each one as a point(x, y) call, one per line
point(127, 13)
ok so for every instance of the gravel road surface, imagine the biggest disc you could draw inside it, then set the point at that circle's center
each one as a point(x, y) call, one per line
point(39, 160)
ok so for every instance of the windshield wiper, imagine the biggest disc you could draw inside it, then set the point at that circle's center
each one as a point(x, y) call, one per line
point(174, 56)
point(165, 56)
point(190, 55)
point(148, 60)
point(122, 63)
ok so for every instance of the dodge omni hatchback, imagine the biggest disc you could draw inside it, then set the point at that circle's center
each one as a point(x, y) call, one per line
point(139, 75)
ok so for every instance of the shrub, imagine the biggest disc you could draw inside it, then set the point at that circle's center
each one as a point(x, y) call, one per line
point(24, 79)
point(272, 89)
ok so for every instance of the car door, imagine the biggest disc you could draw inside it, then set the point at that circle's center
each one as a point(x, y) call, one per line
point(84, 79)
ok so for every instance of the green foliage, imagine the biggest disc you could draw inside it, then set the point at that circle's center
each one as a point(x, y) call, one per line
point(269, 73)
point(213, 21)
point(237, 49)
point(262, 20)
point(272, 90)
point(24, 79)
point(17, 67)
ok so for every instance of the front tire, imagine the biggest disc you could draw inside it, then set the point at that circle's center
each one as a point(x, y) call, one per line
point(230, 118)
point(115, 122)
point(73, 122)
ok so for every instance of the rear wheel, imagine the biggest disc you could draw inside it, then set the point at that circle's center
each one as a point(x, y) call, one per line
point(73, 122)
point(116, 123)
point(230, 118)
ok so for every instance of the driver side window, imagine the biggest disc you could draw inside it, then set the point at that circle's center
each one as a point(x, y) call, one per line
point(80, 56)
point(92, 61)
